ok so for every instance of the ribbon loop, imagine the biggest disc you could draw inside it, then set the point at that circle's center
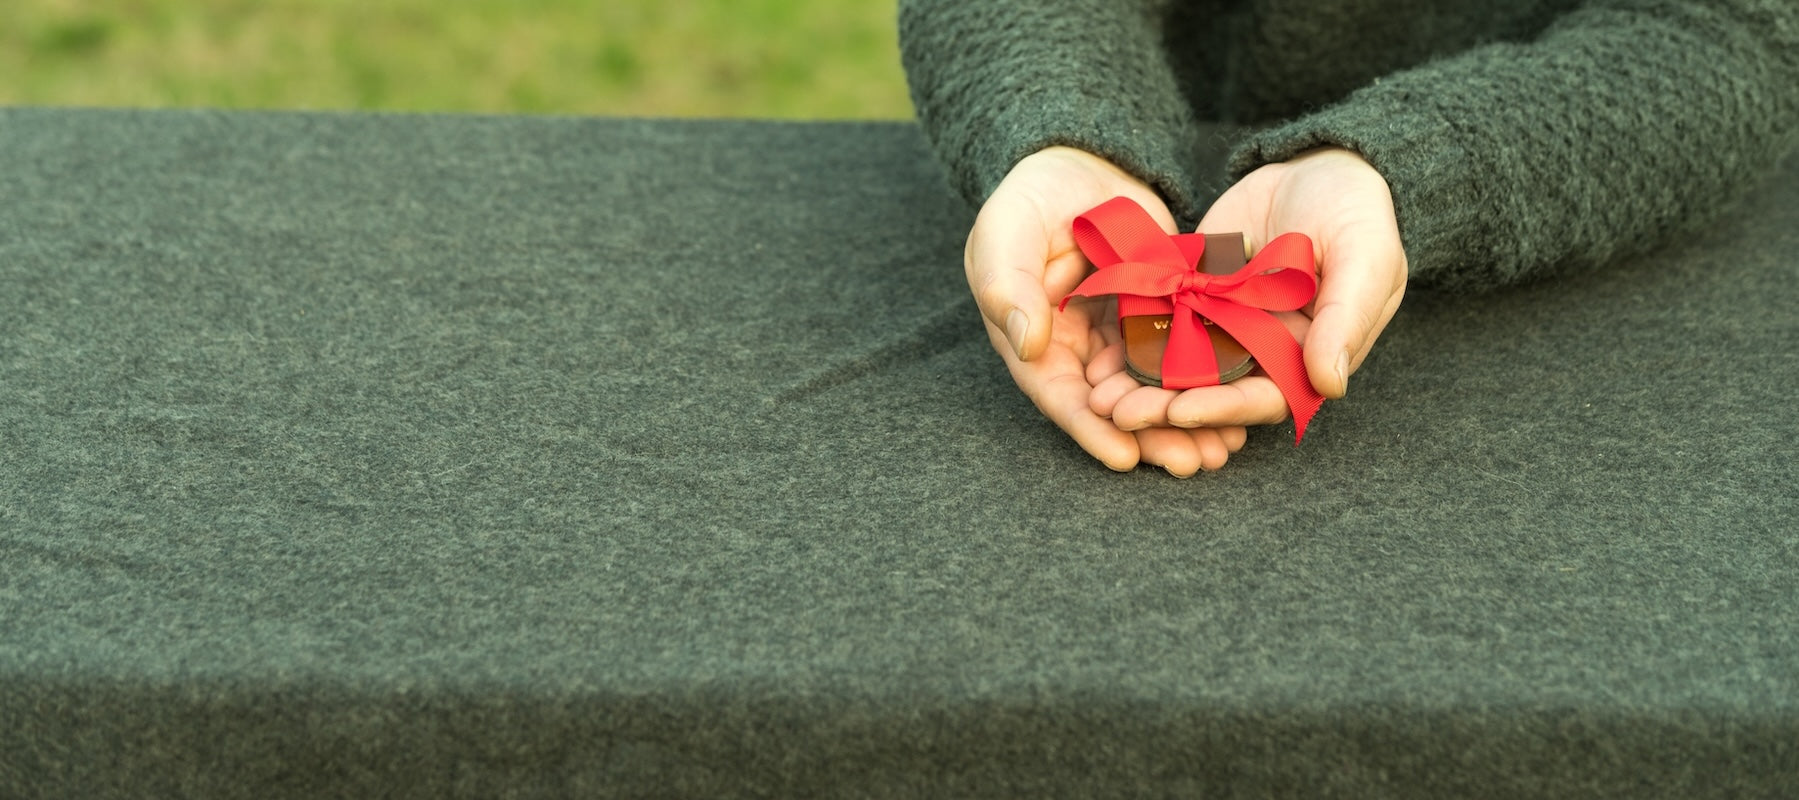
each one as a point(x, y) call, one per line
point(1154, 272)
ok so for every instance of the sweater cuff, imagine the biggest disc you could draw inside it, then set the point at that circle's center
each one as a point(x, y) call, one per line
point(1152, 150)
point(1434, 179)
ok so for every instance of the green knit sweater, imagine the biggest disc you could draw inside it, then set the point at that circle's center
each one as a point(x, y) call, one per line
point(1516, 135)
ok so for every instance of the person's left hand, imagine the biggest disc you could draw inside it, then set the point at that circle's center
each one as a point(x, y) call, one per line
point(1021, 257)
point(1335, 197)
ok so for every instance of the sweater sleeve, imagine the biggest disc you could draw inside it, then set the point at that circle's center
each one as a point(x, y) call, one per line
point(993, 81)
point(1619, 126)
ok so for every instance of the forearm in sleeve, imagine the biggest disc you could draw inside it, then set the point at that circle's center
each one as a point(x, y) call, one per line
point(1622, 124)
point(993, 81)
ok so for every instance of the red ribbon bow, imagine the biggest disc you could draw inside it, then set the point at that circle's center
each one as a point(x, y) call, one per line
point(1154, 272)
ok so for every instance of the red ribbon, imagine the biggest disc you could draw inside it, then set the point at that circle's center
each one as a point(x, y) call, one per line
point(1154, 272)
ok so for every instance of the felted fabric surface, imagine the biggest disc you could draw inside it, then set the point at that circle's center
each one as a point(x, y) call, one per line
point(423, 456)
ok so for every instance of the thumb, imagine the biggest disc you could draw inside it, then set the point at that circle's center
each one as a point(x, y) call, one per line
point(1358, 292)
point(1005, 262)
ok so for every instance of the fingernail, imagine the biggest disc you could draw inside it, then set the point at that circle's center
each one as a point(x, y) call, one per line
point(1017, 325)
point(1343, 370)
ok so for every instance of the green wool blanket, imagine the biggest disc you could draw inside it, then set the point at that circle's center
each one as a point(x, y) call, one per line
point(349, 455)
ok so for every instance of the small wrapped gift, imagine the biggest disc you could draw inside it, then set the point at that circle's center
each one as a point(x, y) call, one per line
point(1192, 311)
point(1147, 322)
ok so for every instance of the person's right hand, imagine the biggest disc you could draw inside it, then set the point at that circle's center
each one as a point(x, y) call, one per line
point(1021, 260)
point(1342, 203)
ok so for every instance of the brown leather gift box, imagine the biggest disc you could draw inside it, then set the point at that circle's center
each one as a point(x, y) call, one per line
point(1146, 337)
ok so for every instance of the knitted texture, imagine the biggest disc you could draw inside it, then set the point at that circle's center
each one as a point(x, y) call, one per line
point(1515, 136)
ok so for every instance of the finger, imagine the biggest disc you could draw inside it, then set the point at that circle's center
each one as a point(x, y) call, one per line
point(1387, 314)
point(1173, 450)
point(1184, 452)
point(1107, 361)
point(1142, 407)
point(1105, 373)
point(1213, 450)
point(1106, 395)
point(1250, 400)
point(1234, 437)
point(1358, 293)
point(1056, 385)
point(1005, 260)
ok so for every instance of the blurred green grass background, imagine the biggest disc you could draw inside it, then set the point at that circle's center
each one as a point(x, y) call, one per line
point(734, 58)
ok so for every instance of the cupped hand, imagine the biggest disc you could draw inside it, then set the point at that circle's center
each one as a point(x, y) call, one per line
point(1021, 260)
point(1335, 197)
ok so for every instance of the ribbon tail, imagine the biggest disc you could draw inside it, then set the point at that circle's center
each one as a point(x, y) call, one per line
point(1189, 360)
point(1276, 351)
